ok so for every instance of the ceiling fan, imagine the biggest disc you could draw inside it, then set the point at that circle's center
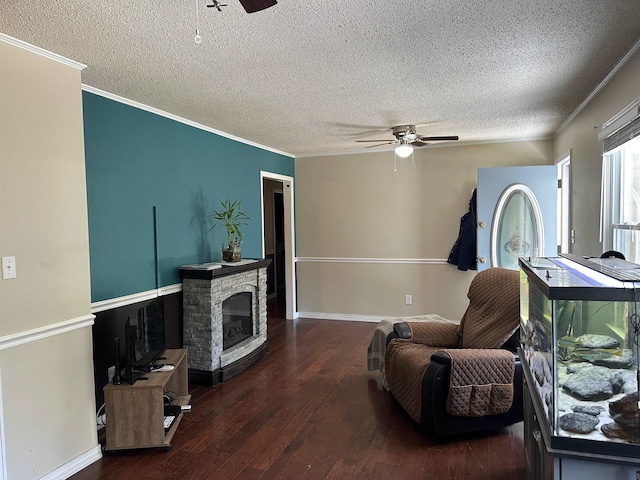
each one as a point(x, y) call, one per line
point(250, 6)
point(406, 139)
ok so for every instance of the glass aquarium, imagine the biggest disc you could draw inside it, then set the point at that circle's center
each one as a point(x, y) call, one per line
point(580, 320)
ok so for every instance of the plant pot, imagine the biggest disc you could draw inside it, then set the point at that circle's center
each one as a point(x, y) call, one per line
point(232, 253)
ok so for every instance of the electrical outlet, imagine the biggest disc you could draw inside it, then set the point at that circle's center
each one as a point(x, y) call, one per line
point(408, 299)
point(111, 371)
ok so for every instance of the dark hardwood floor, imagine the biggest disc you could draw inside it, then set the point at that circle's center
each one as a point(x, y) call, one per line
point(311, 410)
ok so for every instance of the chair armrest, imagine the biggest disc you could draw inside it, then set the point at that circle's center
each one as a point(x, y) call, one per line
point(494, 361)
point(431, 334)
point(488, 353)
point(402, 330)
point(442, 358)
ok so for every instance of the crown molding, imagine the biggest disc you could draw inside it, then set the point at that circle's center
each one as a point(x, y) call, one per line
point(41, 51)
point(600, 86)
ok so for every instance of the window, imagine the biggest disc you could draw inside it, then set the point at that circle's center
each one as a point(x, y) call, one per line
point(620, 200)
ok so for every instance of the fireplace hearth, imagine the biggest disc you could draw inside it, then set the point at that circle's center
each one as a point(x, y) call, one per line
point(225, 318)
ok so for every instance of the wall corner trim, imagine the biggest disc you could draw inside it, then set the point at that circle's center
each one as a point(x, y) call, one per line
point(15, 339)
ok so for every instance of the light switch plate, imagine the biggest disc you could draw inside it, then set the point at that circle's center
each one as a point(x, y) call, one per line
point(8, 268)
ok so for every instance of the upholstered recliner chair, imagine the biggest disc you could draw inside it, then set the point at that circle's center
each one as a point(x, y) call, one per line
point(454, 378)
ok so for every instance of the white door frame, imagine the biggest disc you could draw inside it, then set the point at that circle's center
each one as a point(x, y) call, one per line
point(565, 232)
point(3, 456)
point(289, 237)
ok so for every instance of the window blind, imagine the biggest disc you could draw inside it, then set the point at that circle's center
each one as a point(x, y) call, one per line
point(621, 136)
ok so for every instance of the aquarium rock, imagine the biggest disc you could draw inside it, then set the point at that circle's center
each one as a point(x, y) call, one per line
point(578, 422)
point(613, 430)
point(594, 410)
point(591, 340)
point(627, 404)
point(614, 361)
point(591, 384)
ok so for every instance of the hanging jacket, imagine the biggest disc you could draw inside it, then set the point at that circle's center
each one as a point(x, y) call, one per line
point(464, 251)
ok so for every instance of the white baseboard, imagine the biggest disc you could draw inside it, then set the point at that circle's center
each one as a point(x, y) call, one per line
point(75, 465)
point(341, 316)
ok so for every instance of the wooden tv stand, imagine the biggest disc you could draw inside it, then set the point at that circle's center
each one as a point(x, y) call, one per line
point(135, 413)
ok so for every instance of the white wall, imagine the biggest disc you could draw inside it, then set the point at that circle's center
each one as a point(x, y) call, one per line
point(46, 359)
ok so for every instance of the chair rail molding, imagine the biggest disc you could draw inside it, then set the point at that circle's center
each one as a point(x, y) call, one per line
point(20, 338)
point(116, 302)
point(417, 261)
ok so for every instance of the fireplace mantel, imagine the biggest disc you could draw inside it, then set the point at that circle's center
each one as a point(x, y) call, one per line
point(205, 288)
point(207, 271)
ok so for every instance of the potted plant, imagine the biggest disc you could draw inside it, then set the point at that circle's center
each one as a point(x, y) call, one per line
point(232, 218)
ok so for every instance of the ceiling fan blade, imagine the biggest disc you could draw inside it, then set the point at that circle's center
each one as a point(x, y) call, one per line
point(418, 144)
point(358, 130)
point(437, 139)
point(359, 126)
point(379, 144)
point(390, 141)
point(252, 6)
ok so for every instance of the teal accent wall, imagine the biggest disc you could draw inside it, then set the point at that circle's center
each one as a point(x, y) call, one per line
point(137, 161)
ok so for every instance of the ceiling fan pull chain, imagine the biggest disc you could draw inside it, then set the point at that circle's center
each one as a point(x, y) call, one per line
point(198, 38)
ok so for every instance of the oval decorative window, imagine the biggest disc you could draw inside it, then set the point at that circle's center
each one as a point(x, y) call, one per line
point(517, 227)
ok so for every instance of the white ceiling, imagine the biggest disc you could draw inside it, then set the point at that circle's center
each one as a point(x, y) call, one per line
point(313, 76)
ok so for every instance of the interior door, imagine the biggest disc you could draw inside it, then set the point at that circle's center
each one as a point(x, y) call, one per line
point(517, 214)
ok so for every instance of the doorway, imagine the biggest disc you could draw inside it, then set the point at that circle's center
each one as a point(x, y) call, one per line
point(278, 239)
point(517, 210)
point(274, 239)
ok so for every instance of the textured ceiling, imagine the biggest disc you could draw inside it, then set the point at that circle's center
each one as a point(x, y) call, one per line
point(313, 76)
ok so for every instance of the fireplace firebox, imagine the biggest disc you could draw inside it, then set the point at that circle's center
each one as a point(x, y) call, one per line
point(237, 319)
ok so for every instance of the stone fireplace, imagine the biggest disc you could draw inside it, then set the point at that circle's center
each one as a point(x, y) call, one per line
point(225, 318)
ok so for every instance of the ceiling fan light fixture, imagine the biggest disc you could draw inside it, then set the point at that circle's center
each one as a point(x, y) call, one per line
point(403, 151)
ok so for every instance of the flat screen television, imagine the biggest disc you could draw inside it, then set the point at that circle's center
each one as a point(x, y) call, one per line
point(144, 340)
